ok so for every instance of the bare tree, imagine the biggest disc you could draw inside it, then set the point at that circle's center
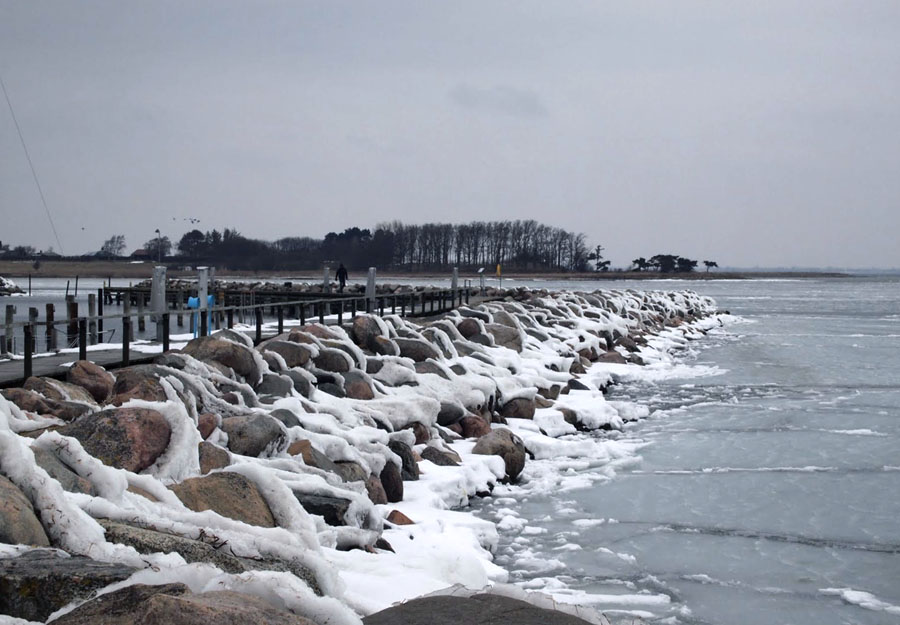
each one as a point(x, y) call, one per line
point(114, 246)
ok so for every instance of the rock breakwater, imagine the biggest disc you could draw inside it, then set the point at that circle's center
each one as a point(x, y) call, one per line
point(8, 287)
point(320, 473)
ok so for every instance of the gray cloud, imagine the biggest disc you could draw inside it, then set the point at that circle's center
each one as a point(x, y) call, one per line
point(499, 99)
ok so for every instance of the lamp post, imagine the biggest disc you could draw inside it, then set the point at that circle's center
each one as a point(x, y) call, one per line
point(158, 246)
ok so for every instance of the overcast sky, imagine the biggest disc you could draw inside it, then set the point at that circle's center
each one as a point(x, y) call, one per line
point(761, 133)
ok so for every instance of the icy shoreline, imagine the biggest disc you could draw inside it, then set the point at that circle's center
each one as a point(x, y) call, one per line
point(385, 421)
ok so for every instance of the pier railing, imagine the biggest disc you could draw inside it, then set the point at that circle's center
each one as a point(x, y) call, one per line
point(26, 338)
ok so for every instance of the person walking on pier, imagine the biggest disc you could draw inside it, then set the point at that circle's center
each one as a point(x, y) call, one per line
point(341, 277)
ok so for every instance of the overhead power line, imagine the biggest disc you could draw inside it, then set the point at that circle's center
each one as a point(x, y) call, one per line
point(31, 165)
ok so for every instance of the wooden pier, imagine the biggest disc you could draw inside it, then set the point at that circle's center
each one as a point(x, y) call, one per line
point(82, 331)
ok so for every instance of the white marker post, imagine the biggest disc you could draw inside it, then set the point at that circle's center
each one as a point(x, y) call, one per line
point(454, 287)
point(202, 297)
point(326, 279)
point(370, 291)
point(158, 300)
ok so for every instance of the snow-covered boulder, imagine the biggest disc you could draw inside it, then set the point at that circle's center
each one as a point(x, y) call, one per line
point(8, 287)
point(503, 443)
point(91, 377)
point(125, 438)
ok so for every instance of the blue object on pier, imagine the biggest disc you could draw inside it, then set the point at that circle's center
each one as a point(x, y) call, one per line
point(194, 302)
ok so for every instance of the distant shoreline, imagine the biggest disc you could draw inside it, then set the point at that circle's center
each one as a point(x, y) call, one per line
point(124, 269)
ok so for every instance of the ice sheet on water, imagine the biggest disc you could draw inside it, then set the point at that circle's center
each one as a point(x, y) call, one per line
point(862, 599)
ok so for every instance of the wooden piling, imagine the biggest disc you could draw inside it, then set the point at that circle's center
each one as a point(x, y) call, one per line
point(50, 312)
point(82, 339)
point(127, 311)
point(165, 332)
point(72, 320)
point(100, 296)
point(126, 339)
point(28, 331)
point(92, 318)
point(142, 321)
point(10, 315)
point(179, 306)
point(33, 319)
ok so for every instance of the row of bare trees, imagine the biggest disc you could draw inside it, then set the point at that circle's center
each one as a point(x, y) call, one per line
point(520, 244)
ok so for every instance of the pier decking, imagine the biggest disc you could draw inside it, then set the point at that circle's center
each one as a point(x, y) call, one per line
point(264, 314)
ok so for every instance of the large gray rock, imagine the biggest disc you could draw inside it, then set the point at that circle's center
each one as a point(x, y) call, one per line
point(251, 435)
point(410, 469)
point(501, 442)
point(58, 390)
point(375, 490)
point(368, 334)
point(67, 478)
point(504, 318)
point(358, 385)
point(274, 363)
point(125, 438)
point(450, 413)
point(174, 604)
point(435, 336)
point(209, 548)
point(334, 360)
point(384, 346)
point(138, 382)
point(612, 357)
point(287, 417)
point(212, 457)
point(392, 482)
point(421, 432)
point(438, 457)
point(294, 354)
point(31, 401)
point(431, 366)
point(505, 336)
point(474, 426)
point(468, 327)
point(39, 582)
point(18, 523)
point(416, 349)
point(482, 339)
point(465, 311)
point(312, 457)
point(350, 471)
point(332, 509)
point(239, 358)
point(475, 610)
point(301, 380)
point(151, 541)
point(274, 386)
point(229, 494)
point(518, 408)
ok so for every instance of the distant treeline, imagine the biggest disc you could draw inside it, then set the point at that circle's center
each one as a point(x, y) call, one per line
point(521, 245)
point(515, 245)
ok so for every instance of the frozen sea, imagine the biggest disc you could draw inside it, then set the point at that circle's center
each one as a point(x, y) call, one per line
point(768, 489)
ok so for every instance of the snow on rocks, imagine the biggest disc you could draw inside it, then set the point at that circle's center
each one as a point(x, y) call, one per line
point(8, 287)
point(286, 455)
